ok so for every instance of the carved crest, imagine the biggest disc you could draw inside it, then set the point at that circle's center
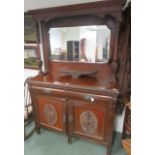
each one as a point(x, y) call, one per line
point(88, 122)
point(50, 114)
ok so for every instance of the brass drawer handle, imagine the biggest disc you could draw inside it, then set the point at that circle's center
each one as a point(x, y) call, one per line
point(89, 98)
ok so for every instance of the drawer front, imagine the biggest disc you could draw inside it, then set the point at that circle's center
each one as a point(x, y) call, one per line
point(92, 98)
point(49, 91)
point(89, 120)
point(52, 113)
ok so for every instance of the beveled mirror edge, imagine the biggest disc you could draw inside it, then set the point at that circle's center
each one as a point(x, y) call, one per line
point(106, 19)
point(100, 54)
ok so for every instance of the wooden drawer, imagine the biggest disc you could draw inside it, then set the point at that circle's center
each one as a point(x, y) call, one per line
point(91, 98)
point(49, 91)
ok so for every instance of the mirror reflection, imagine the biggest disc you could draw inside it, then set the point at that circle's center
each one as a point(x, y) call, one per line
point(81, 43)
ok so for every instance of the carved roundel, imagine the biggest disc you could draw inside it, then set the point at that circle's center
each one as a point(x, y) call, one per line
point(88, 122)
point(50, 114)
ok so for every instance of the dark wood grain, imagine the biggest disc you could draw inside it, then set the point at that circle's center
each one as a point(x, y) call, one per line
point(124, 61)
point(85, 105)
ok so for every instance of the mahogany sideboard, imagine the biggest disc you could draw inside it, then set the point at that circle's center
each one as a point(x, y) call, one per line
point(78, 98)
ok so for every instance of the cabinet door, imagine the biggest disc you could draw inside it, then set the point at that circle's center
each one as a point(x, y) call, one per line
point(87, 120)
point(52, 113)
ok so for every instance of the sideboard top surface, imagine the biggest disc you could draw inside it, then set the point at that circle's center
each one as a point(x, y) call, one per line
point(91, 84)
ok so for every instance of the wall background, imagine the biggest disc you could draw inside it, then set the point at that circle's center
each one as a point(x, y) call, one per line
point(29, 73)
point(36, 4)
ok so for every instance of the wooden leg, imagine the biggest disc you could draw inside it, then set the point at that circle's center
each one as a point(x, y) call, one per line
point(108, 152)
point(38, 130)
point(37, 127)
point(69, 139)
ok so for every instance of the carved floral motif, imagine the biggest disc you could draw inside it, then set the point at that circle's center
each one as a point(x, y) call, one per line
point(50, 114)
point(88, 122)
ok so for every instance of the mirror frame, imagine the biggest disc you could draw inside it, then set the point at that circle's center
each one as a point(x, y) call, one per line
point(107, 12)
point(107, 20)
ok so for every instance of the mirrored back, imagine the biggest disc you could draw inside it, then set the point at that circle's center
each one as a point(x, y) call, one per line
point(80, 43)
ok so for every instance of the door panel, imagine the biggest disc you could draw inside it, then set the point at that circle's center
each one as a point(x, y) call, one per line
point(52, 112)
point(88, 120)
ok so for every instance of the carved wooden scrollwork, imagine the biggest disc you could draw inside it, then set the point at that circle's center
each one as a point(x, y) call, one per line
point(50, 114)
point(88, 122)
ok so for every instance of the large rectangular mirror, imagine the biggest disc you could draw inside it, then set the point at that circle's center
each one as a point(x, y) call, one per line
point(81, 43)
